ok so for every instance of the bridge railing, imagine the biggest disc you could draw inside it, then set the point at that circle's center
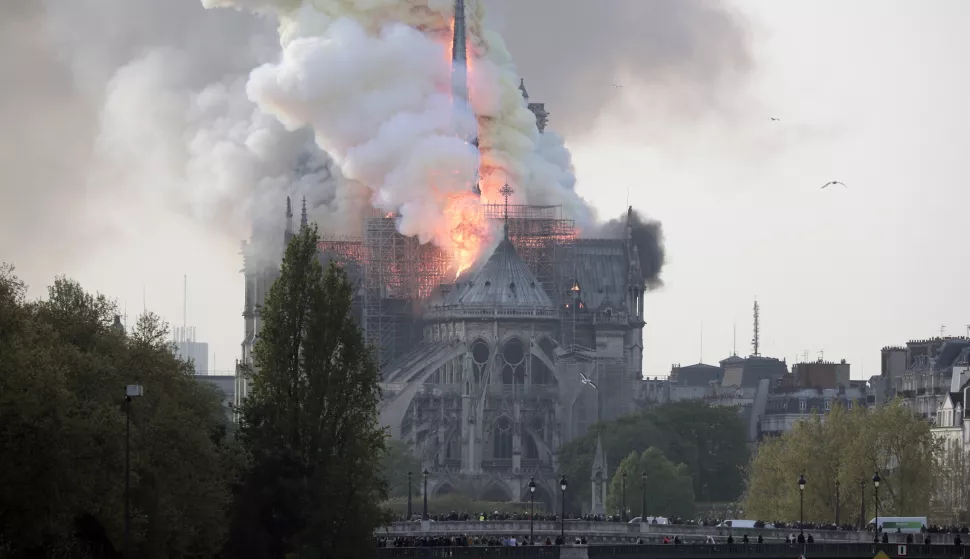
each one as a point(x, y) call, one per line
point(670, 551)
point(524, 552)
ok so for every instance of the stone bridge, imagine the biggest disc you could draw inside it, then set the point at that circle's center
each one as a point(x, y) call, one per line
point(653, 551)
point(622, 533)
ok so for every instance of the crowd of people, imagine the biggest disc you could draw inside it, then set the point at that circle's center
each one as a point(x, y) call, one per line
point(471, 541)
point(704, 521)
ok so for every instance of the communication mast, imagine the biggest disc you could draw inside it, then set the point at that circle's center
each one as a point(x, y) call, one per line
point(756, 339)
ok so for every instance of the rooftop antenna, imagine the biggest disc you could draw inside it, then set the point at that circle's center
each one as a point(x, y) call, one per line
point(628, 196)
point(734, 342)
point(702, 343)
point(756, 339)
point(942, 329)
point(821, 355)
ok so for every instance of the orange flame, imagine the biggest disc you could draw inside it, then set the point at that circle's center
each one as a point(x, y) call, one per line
point(467, 229)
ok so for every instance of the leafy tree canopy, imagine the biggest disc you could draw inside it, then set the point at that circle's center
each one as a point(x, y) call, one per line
point(710, 441)
point(310, 423)
point(398, 460)
point(669, 487)
point(63, 372)
point(846, 447)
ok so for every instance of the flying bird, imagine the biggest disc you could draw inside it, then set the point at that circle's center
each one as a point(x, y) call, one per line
point(586, 380)
point(617, 86)
point(830, 183)
point(776, 119)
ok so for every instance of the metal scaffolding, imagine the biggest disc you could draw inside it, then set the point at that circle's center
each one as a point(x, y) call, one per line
point(398, 272)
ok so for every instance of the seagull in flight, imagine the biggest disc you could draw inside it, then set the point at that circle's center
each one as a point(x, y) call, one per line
point(776, 119)
point(830, 183)
point(586, 380)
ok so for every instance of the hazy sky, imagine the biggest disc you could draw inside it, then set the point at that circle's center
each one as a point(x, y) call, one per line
point(869, 92)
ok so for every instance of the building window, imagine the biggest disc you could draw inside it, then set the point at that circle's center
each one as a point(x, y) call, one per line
point(802, 405)
point(849, 404)
point(828, 405)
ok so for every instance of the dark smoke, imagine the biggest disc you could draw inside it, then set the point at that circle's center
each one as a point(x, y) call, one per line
point(688, 57)
point(648, 238)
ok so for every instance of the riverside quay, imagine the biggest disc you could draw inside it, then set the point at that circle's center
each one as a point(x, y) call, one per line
point(659, 551)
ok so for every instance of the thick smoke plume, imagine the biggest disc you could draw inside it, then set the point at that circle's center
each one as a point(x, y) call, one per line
point(648, 238)
point(681, 59)
point(374, 81)
point(118, 104)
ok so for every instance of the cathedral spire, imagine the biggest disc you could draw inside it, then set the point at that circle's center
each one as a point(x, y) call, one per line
point(525, 94)
point(459, 71)
point(459, 55)
point(459, 46)
point(289, 216)
point(506, 191)
point(303, 220)
point(288, 233)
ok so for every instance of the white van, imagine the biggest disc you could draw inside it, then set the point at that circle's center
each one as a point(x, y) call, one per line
point(904, 524)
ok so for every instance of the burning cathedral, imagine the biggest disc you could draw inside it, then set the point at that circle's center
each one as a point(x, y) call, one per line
point(489, 372)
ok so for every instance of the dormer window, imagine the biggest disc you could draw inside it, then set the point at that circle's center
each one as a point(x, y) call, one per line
point(575, 287)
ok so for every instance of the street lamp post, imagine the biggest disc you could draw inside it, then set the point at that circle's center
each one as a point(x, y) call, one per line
point(623, 496)
point(131, 391)
point(801, 505)
point(532, 509)
point(837, 484)
point(410, 514)
point(875, 483)
point(562, 515)
point(862, 504)
point(643, 497)
point(425, 514)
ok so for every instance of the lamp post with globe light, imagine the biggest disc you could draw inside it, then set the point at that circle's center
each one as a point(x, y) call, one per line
point(131, 391)
point(426, 473)
point(562, 516)
point(532, 508)
point(875, 483)
point(623, 496)
point(410, 514)
point(643, 497)
point(801, 504)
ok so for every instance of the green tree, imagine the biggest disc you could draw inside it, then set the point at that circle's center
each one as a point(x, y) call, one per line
point(398, 460)
point(952, 492)
point(310, 424)
point(669, 487)
point(847, 447)
point(63, 368)
point(711, 441)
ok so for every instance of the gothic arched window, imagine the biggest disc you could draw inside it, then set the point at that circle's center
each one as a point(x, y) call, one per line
point(502, 439)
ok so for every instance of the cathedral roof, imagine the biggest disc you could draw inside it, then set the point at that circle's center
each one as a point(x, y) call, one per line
point(504, 281)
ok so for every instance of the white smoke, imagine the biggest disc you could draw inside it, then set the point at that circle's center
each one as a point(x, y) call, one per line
point(372, 79)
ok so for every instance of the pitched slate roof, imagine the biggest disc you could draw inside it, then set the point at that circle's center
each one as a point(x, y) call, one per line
point(504, 281)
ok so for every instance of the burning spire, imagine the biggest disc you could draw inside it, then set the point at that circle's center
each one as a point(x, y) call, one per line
point(459, 70)
point(459, 55)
